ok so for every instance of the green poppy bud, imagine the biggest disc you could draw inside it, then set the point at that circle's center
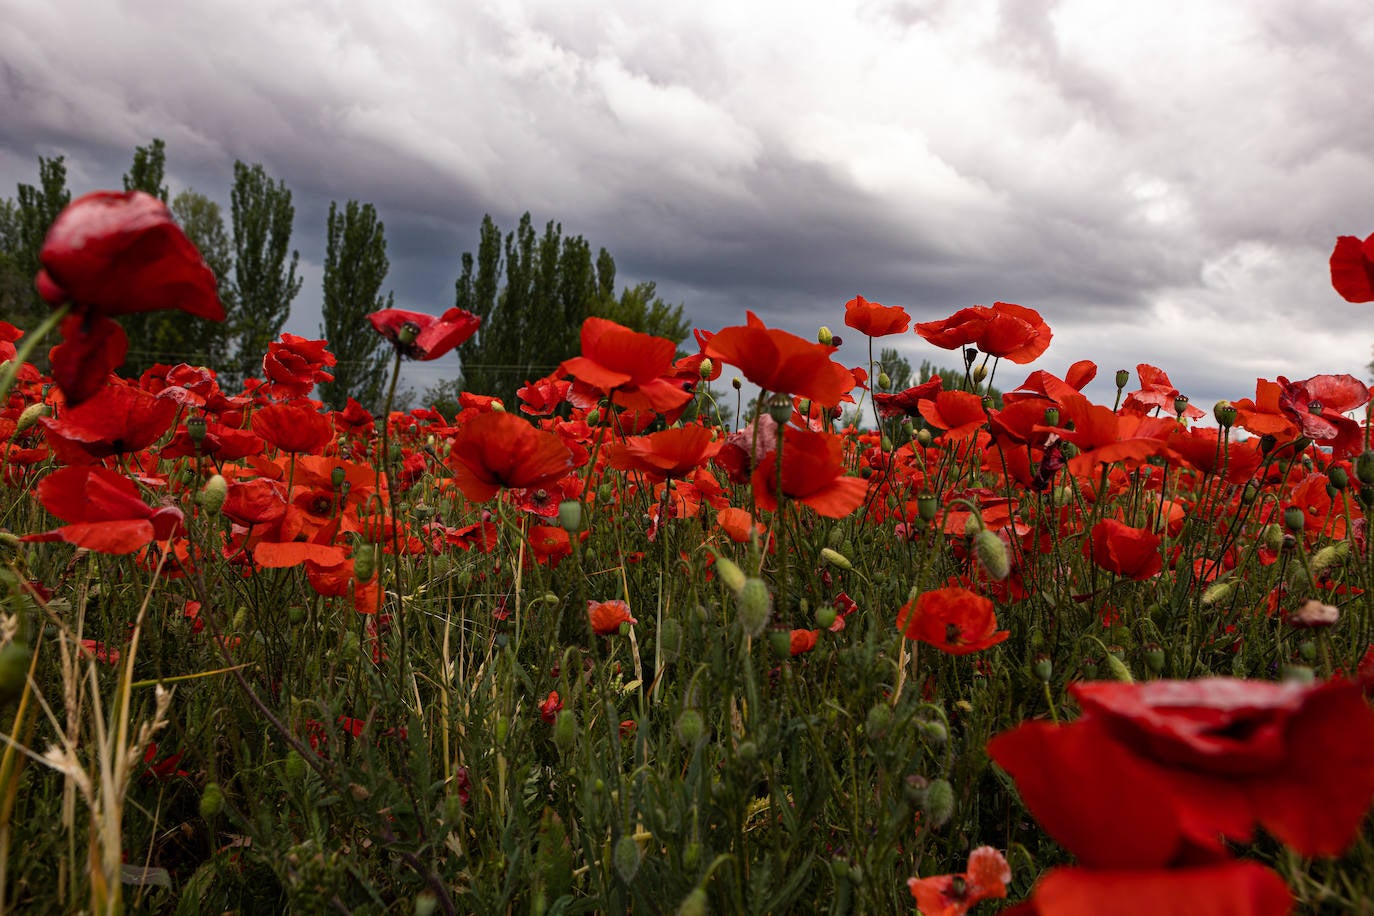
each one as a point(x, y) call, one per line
point(565, 730)
point(15, 658)
point(691, 728)
point(992, 553)
point(728, 571)
point(939, 806)
point(213, 494)
point(694, 904)
point(754, 605)
point(835, 558)
point(30, 416)
point(570, 515)
point(211, 801)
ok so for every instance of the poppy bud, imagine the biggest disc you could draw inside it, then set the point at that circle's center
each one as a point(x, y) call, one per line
point(754, 605)
point(1250, 493)
point(213, 494)
point(670, 639)
point(1225, 414)
point(729, 572)
point(694, 904)
point(30, 416)
point(935, 732)
point(565, 730)
point(1364, 468)
point(879, 721)
point(705, 369)
point(1117, 669)
point(979, 373)
point(570, 515)
point(939, 806)
point(825, 616)
point(1218, 592)
point(1272, 536)
point(691, 728)
point(1123, 378)
point(992, 553)
point(781, 641)
point(970, 354)
point(884, 380)
point(1298, 674)
point(824, 336)
point(15, 659)
point(835, 558)
point(736, 383)
point(364, 562)
point(1294, 519)
point(211, 801)
point(924, 437)
point(626, 857)
point(803, 407)
point(1307, 650)
point(294, 766)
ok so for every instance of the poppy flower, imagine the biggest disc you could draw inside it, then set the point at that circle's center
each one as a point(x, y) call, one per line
point(875, 319)
point(1317, 407)
point(103, 510)
point(550, 544)
point(959, 413)
point(294, 365)
point(952, 895)
point(541, 398)
point(800, 642)
point(907, 403)
point(1042, 384)
point(778, 361)
point(607, 616)
point(634, 369)
point(293, 427)
point(1352, 268)
point(953, 620)
point(1225, 889)
point(666, 454)
point(552, 705)
point(742, 451)
point(1130, 552)
point(1156, 392)
point(116, 420)
point(114, 253)
point(1004, 330)
point(496, 450)
point(92, 347)
point(8, 335)
point(1105, 437)
point(424, 337)
point(813, 473)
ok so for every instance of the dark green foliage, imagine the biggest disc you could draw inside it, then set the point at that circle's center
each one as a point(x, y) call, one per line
point(265, 278)
point(185, 338)
point(355, 264)
point(37, 207)
point(533, 322)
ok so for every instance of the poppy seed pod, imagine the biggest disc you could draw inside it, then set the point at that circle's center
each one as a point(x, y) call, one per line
point(1293, 518)
point(824, 336)
point(1123, 378)
point(1225, 414)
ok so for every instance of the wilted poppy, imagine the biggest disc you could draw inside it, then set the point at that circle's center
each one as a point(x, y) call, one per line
point(1130, 552)
point(498, 450)
point(424, 337)
point(813, 473)
point(1352, 268)
point(874, 318)
point(778, 361)
point(607, 616)
point(953, 620)
point(952, 895)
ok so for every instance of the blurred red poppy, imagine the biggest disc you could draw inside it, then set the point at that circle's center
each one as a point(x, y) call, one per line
point(117, 419)
point(952, 895)
point(1352, 268)
point(294, 427)
point(800, 642)
point(92, 347)
point(634, 369)
point(1130, 552)
point(498, 450)
point(424, 337)
point(813, 473)
point(953, 620)
point(874, 318)
point(665, 454)
point(1226, 889)
point(607, 616)
point(103, 510)
point(778, 361)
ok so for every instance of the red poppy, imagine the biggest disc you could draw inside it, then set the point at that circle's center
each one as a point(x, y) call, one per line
point(1105, 437)
point(541, 398)
point(550, 544)
point(1352, 268)
point(1234, 888)
point(634, 369)
point(907, 403)
point(424, 337)
point(801, 642)
point(952, 895)
point(953, 620)
point(103, 510)
point(738, 525)
point(778, 361)
point(354, 419)
point(607, 616)
point(294, 427)
point(665, 454)
point(742, 451)
point(1042, 384)
point(959, 413)
point(8, 335)
point(294, 365)
point(498, 450)
point(116, 420)
point(113, 253)
point(875, 319)
point(1004, 330)
point(1156, 392)
point(549, 709)
point(813, 473)
point(1130, 552)
point(92, 347)
point(1317, 407)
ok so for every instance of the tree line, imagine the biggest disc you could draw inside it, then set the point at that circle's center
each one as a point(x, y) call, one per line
point(532, 290)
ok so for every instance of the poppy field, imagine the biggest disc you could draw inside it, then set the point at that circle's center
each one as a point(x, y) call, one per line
point(633, 644)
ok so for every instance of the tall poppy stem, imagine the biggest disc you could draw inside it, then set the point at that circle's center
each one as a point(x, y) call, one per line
point(384, 466)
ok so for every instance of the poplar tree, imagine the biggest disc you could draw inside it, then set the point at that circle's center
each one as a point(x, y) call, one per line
point(205, 343)
point(38, 205)
point(355, 264)
point(265, 278)
point(154, 337)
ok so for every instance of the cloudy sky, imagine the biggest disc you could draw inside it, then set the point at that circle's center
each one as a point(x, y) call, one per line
point(1164, 182)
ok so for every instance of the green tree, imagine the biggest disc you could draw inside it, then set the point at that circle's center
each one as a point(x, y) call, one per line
point(148, 170)
point(15, 288)
point(191, 339)
point(897, 367)
point(37, 207)
point(534, 321)
point(355, 264)
point(265, 278)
